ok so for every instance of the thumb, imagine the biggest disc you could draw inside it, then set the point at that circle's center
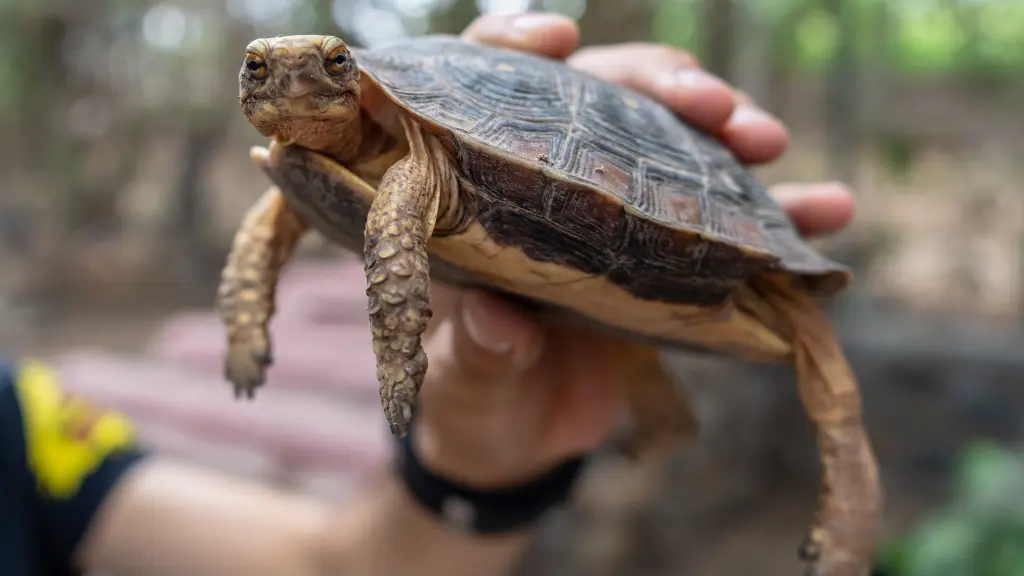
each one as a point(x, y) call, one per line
point(493, 337)
point(474, 394)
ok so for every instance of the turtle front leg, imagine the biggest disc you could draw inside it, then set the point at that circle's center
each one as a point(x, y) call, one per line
point(663, 416)
point(841, 541)
point(262, 246)
point(400, 222)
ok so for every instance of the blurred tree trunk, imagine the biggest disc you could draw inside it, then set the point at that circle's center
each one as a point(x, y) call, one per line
point(875, 68)
point(455, 19)
point(324, 14)
point(841, 96)
point(614, 21)
point(42, 35)
point(1020, 279)
point(206, 129)
point(782, 31)
point(754, 66)
point(971, 28)
point(79, 200)
point(202, 139)
point(718, 38)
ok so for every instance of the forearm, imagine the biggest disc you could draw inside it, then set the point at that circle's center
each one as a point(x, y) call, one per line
point(387, 533)
point(167, 518)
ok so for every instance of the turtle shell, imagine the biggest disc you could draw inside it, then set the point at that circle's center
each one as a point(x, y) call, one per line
point(583, 173)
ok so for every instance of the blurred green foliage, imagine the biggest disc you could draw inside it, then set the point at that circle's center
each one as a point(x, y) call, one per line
point(922, 36)
point(934, 37)
point(899, 152)
point(980, 532)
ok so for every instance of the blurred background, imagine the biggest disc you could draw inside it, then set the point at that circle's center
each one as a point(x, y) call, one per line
point(125, 174)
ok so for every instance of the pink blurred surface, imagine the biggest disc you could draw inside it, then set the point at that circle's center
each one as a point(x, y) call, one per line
point(316, 426)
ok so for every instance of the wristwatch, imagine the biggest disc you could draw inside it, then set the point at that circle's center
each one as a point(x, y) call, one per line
point(485, 512)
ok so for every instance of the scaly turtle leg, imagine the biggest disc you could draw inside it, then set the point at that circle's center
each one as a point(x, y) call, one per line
point(663, 417)
point(401, 220)
point(262, 246)
point(841, 541)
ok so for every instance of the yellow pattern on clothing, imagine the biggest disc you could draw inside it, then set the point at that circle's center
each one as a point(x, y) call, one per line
point(66, 437)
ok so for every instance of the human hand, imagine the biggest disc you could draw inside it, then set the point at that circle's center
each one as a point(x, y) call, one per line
point(506, 397)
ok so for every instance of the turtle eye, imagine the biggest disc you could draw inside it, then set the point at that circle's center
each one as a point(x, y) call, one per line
point(256, 66)
point(337, 60)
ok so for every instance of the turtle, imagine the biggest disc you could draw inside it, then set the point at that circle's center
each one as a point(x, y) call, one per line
point(440, 159)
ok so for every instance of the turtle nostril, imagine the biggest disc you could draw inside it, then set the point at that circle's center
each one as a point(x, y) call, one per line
point(297, 82)
point(296, 62)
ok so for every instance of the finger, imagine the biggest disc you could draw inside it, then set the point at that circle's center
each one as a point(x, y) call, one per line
point(477, 356)
point(754, 135)
point(546, 34)
point(666, 74)
point(590, 388)
point(816, 209)
point(674, 77)
point(491, 336)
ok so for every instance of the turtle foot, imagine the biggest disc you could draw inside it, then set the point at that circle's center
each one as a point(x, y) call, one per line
point(262, 246)
point(841, 541)
point(246, 364)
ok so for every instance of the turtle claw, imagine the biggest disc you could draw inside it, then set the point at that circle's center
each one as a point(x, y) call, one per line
point(809, 550)
point(825, 556)
point(246, 366)
point(400, 417)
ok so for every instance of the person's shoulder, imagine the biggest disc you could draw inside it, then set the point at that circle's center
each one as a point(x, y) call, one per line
point(69, 453)
point(8, 370)
point(66, 436)
point(10, 406)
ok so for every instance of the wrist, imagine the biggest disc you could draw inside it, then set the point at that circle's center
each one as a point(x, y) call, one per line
point(487, 509)
point(477, 453)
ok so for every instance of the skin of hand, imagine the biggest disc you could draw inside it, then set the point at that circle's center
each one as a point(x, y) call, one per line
point(508, 397)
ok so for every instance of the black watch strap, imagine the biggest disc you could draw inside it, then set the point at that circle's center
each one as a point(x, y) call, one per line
point(486, 512)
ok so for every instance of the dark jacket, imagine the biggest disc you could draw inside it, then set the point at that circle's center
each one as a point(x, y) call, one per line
point(59, 459)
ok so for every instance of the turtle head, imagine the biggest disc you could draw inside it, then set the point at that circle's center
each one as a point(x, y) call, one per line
point(299, 89)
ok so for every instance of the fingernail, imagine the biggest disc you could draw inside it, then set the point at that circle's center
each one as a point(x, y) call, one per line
point(800, 191)
point(745, 115)
point(521, 26)
point(529, 22)
point(478, 321)
point(695, 78)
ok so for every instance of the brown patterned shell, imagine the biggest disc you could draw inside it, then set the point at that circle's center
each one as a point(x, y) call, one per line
point(587, 174)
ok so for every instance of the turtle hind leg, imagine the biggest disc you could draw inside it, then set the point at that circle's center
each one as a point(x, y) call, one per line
point(262, 246)
point(400, 222)
point(841, 541)
point(662, 413)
